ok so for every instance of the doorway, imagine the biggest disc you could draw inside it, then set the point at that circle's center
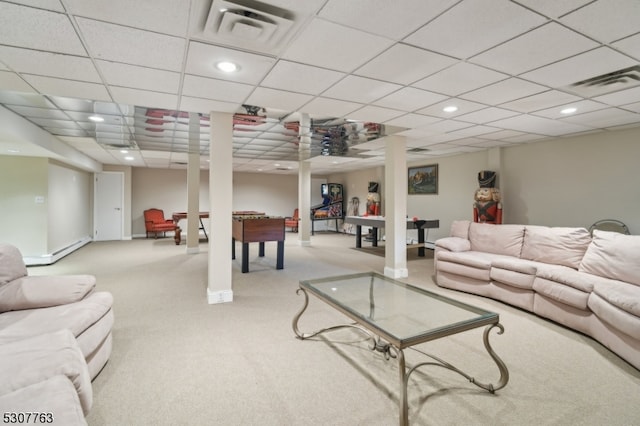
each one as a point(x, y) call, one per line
point(108, 206)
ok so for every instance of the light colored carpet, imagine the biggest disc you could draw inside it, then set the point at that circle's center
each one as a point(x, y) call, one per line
point(180, 361)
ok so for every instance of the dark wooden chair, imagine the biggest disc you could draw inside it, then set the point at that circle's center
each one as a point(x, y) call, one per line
point(155, 223)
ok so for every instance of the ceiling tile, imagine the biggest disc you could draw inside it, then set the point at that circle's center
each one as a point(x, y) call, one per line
point(117, 74)
point(227, 91)
point(11, 81)
point(472, 131)
point(606, 21)
point(202, 58)
point(635, 107)
point(608, 117)
point(539, 125)
point(542, 46)
point(162, 16)
point(376, 16)
point(375, 114)
point(464, 107)
point(486, 115)
point(629, 45)
point(300, 78)
point(279, 99)
point(132, 46)
point(328, 39)
point(581, 67)
point(621, 97)
point(473, 26)
point(69, 88)
point(360, 89)
point(330, 107)
point(61, 66)
point(460, 78)
point(144, 98)
point(553, 8)
point(541, 101)
point(504, 91)
point(409, 99)
point(581, 106)
point(404, 64)
point(412, 120)
point(38, 29)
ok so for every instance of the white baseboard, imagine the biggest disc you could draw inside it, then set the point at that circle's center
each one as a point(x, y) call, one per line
point(224, 296)
point(48, 259)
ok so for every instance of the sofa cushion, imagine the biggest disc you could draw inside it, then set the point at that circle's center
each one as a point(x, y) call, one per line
point(561, 293)
point(454, 244)
point(555, 245)
point(617, 318)
point(11, 264)
point(460, 229)
point(613, 255)
point(620, 294)
point(32, 292)
point(567, 276)
point(498, 239)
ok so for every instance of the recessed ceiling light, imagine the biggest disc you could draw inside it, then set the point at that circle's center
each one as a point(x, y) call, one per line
point(570, 110)
point(96, 118)
point(128, 158)
point(124, 151)
point(13, 151)
point(227, 66)
point(450, 108)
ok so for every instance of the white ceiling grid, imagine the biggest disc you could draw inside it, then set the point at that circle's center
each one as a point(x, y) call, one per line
point(510, 66)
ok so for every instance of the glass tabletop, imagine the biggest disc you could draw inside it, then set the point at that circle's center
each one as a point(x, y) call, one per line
point(402, 314)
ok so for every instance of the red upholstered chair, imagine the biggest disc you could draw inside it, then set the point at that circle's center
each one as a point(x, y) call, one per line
point(292, 222)
point(155, 223)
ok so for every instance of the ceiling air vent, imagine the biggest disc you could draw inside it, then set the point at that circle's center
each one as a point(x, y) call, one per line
point(607, 83)
point(248, 23)
point(417, 150)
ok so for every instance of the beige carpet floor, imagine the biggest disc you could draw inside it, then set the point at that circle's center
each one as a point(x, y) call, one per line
point(179, 361)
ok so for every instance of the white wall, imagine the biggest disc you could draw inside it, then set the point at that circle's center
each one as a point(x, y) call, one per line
point(276, 195)
point(574, 181)
point(69, 203)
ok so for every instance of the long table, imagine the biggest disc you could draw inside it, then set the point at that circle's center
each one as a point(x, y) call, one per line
point(178, 216)
point(257, 230)
point(376, 222)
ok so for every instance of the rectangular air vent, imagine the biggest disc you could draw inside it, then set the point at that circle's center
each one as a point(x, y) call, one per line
point(248, 24)
point(607, 83)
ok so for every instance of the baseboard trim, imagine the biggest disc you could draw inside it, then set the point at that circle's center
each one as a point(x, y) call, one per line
point(396, 273)
point(50, 258)
point(215, 297)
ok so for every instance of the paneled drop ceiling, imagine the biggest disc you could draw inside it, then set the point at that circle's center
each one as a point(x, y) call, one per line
point(361, 70)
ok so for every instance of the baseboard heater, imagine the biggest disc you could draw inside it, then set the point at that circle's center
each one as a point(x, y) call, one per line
point(50, 258)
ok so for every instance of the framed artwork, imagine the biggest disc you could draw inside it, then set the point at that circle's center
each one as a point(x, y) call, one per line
point(423, 179)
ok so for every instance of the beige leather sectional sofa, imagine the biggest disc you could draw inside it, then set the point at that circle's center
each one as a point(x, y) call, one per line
point(588, 283)
point(55, 337)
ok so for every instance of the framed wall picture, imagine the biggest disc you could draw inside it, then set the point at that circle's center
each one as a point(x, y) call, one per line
point(423, 179)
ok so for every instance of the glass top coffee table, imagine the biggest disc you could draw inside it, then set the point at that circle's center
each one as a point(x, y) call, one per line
point(397, 316)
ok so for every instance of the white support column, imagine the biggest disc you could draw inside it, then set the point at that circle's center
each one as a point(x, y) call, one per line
point(304, 180)
point(304, 203)
point(193, 185)
point(395, 191)
point(219, 288)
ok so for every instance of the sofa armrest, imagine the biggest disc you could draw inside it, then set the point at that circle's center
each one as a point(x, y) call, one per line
point(454, 244)
point(36, 359)
point(33, 292)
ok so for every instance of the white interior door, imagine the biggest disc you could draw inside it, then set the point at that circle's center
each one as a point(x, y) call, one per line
point(109, 201)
